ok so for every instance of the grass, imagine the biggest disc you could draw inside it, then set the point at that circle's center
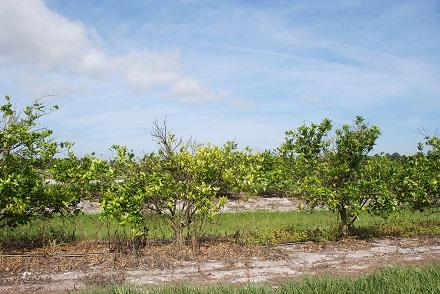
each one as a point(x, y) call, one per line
point(391, 280)
point(255, 227)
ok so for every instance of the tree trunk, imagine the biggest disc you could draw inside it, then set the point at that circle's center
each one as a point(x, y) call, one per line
point(346, 224)
point(178, 236)
point(194, 241)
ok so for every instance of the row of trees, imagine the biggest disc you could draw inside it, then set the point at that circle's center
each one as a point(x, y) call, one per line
point(188, 183)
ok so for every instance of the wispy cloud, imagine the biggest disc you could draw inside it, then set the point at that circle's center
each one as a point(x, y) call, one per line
point(264, 66)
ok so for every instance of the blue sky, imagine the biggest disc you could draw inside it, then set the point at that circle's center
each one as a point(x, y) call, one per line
point(220, 70)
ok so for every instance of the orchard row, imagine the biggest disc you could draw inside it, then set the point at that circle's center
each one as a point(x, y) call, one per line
point(187, 183)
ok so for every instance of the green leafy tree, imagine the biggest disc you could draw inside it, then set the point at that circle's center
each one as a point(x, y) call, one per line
point(184, 182)
point(77, 178)
point(124, 186)
point(338, 174)
point(301, 152)
point(272, 174)
point(26, 154)
point(419, 185)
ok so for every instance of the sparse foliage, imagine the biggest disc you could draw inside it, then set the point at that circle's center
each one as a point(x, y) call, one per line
point(184, 182)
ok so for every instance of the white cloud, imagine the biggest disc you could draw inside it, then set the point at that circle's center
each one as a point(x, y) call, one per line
point(144, 70)
point(31, 33)
point(34, 36)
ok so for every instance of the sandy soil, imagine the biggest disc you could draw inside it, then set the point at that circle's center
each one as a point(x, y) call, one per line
point(264, 203)
point(79, 265)
point(242, 204)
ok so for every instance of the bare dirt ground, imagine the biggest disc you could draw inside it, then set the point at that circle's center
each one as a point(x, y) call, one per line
point(233, 205)
point(83, 264)
point(261, 203)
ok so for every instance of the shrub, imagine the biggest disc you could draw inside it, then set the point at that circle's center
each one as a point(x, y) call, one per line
point(26, 154)
point(184, 182)
point(338, 174)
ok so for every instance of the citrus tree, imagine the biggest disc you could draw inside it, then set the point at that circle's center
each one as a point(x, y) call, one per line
point(419, 185)
point(124, 183)
point(302, 150)
point(184, 182)
point(26, 154)
point(338, 173)
point(76, 178)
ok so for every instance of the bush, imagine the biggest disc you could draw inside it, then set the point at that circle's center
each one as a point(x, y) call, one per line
point(26, 155)
point(419, 177)
point(338, 174)
point(184, 182)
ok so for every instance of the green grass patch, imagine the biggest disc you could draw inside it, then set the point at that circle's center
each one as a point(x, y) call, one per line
point(250, 227)
point(391, 280)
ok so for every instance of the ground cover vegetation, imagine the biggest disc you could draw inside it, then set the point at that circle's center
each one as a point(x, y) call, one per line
point(248, 227)
point(182, 186)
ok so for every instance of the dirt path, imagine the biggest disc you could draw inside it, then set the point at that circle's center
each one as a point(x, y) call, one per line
point(214, 263)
